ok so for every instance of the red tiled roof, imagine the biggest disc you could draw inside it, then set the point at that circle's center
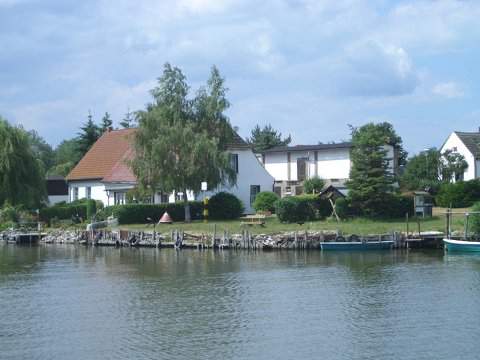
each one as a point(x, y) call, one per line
point(121, 172)
point(104, 156)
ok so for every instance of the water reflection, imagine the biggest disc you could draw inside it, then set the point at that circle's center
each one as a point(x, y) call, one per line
point(65, 302)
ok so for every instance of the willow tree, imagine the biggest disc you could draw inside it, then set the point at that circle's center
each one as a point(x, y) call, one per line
point(21, 176)
point(181, 142)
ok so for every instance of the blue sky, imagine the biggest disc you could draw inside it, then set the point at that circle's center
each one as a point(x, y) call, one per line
point(308, 67)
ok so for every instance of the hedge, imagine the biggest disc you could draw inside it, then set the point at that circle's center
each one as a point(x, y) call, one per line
point(295, 209)
point(63, 212)
point(138, 213)
point(458, 195)
point(224, 206)
point(265, 201)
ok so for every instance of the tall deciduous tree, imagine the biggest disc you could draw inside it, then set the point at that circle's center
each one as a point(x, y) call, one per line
point(89, 133)
point(176, 147)
point(21, 173)
point(266, 138)
point(422, 170)
point(42, 150)
point(371, 181)
point(106, 123)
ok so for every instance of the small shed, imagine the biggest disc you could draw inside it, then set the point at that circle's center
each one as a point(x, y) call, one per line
point(423, 203)
point(331, 192)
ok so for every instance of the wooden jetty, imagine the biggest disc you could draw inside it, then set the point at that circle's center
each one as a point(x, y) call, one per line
point(425, 240)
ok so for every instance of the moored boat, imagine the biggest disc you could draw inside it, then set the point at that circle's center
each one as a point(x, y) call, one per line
point(461, 245)
point(357, 245)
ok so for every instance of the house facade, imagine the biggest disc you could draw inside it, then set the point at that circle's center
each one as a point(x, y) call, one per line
point(468, 145)
point(291, 165)
point(103, 173)
point(57, 189)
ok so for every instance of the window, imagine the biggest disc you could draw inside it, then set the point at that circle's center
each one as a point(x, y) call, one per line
point(164, 198)
point(234, 162)
point(119, 198)
point(301, 169)
point(254, 190)
point(75, 194)
point(88, 192)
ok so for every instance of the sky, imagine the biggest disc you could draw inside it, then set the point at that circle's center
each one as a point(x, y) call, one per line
point(308, 67)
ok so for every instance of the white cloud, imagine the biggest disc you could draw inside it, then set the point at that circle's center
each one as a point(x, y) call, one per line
point(449, 90)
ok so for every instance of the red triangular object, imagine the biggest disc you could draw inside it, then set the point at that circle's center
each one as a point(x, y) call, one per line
point(165, 219)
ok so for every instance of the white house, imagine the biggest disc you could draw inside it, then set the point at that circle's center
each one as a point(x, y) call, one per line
point(103, 173)
point(291, 165)
point(468, 145)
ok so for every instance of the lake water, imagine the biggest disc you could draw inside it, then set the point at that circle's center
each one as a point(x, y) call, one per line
point(66, 302)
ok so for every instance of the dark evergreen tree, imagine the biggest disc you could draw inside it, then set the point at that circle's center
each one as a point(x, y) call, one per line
point(266, 138)
point(106, 123)
point(371, 182)
point(89, 134)
point(128, 121)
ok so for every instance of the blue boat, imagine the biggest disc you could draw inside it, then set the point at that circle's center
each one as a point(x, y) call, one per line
point(461, 245)
point(357, 245)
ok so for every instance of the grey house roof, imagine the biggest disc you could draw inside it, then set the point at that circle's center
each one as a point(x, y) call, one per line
point(343, 145)
point(471, 141)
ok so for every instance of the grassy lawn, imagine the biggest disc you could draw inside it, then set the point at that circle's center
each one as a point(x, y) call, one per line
point(356, 226)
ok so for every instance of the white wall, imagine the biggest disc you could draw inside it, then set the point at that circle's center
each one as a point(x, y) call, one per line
point(97, 190)
point(276, 165)
point(250, 172)
point(453, 142)
point(331, 163)
point(55, 199)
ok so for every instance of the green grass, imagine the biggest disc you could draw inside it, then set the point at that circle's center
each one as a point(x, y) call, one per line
point(356, 226)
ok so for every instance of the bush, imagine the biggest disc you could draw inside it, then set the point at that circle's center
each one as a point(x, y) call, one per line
point(458, 195)
point(342, 207)
point(474, 220)
point(313, 185)
point(295, 209)
point(64, 212)
point(394, 206)
point(399, 205)
point(91, 208)
point(138, 213)
point(224, 206)
point(265, 201)
point(9, 214)
point(321, 206)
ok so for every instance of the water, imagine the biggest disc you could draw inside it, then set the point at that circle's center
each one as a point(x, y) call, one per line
point(65, 302)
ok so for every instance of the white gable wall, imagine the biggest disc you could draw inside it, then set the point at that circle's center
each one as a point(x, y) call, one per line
point(250, 172)
point(453, 142)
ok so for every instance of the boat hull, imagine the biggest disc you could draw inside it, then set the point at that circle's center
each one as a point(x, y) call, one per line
point(357, 245)
point(459, 245)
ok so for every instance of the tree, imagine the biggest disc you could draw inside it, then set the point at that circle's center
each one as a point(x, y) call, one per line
point(452, 166)
point(128, 121)
point(313, 185)
point(175, 149)
point(42, 150)
point(67, 155)
point(429, 169)
point(392, 138)
point(106, 123)
point(266, 138)
point(89, 134)
point(422, 170)
point(21, 174)
point(371, 182)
